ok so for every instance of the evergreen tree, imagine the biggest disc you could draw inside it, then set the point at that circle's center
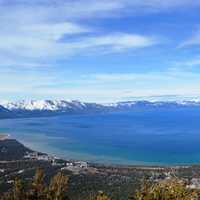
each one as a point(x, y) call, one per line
point(18, 190)
point(101, 196)
point(58, 187)
point(38, 188)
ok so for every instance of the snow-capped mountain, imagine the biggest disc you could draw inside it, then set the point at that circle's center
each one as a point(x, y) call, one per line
point(140, 104)
point(48, 105)
point(38, 108)
point(60, 105)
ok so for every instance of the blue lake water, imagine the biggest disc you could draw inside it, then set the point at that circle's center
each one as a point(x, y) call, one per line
point(152, 136)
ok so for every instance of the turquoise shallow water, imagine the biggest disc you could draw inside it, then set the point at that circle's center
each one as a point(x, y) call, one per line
point(156, 136)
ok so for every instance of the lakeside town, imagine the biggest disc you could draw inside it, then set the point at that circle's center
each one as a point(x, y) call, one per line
point(73, 166)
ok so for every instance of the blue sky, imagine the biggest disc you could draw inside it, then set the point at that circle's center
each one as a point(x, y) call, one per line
point(99, 51)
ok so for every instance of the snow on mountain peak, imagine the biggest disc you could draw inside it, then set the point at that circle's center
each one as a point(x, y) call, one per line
point(63, 105)
point(49, 105)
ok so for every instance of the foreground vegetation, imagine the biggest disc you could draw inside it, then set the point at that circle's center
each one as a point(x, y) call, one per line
point(38, 190)
point(167, 190)
point(57, 189)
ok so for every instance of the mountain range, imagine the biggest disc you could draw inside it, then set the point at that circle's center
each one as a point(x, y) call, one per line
point(37, 108)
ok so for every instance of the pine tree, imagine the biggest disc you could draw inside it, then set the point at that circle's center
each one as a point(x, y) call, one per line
point(101, 196)
point(38, 188)
point(58, 187)
point(18, 190)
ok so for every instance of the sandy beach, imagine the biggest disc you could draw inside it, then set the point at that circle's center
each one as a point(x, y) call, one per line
point(4, 136)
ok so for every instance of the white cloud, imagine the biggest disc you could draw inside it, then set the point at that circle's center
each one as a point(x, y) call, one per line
point(187, 64)
point(120, 41)
point(33, 28)
point(94, 87)
point(160, 5)
point(88, 8)
point(41, 30)
point(54, 31)
point(36, 33)
point(115, 42)
point(112, 77)
point(194, 40)
point(38, 41)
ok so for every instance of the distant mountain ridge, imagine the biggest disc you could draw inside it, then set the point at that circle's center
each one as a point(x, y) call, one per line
point(5, 113)
point(36, 108)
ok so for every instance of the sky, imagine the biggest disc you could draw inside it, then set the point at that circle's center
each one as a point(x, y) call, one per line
point(99, 51)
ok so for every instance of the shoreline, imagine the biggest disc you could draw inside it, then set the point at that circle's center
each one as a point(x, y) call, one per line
point(5, 136)
point(138, 165)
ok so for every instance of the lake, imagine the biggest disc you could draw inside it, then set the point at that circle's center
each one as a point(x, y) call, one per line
point(148, 136)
